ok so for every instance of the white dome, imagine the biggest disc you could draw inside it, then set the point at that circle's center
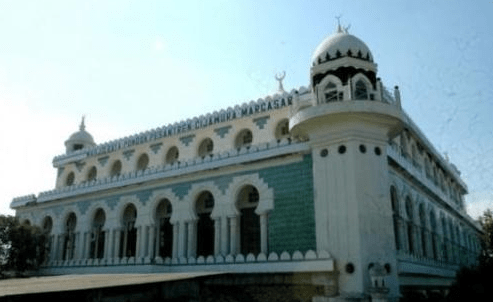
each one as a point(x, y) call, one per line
point(80, 139)
point(338, 45)
point(82, 136)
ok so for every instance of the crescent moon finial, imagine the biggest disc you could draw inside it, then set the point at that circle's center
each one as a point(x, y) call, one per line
point(279, 77)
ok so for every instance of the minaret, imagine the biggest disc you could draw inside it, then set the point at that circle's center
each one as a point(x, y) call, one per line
point(348, 129)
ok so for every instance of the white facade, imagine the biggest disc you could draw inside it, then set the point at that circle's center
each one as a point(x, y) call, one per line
point(334, 181)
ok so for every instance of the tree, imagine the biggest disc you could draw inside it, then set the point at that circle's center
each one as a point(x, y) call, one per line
point(474, 284)
point(486, 221)
point(22, 246)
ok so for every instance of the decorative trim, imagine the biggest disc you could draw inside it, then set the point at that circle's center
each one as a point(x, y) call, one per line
point(103, 160)
point(156, 147)
point(274, 102)
point(222, 131)
point(128, 153)
point(261, 121)
point(80, 166)
point(232, 157)
point(186, 140)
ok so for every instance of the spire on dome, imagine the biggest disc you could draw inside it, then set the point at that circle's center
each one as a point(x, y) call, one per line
point(339, 29)
point(82, 126)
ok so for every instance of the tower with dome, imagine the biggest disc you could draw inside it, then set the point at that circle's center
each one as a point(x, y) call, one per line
point(324, 193)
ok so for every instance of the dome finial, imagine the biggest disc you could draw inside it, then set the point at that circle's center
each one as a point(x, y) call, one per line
point(82, 126)
point(339, 29)
point(279, 78)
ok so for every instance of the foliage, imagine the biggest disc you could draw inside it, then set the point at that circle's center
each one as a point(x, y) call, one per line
point(22, 246)
point(486, 221)
point(474, 284)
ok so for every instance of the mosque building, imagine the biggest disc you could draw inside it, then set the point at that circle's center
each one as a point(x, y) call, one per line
point(331, 189)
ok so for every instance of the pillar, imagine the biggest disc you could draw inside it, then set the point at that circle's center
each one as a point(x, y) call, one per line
point(152, 249)
point(224, 236)
point(108, 249)
point(88, 244)
point(233, 235)
point(176, 230)
point(263, 233)
point(217, 236)
point(192, 242)
point(118, 243)
point(182, 239)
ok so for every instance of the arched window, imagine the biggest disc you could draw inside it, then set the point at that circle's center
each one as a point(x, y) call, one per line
point(172, 155)
point(165, 229)
point(97, 235)
point(70, 179)
point(205, 224)
point(247, 201)
point(331, 94)
point(91, 175)
point(360, 90)
point(47, 227)
point(410, 226)
point(434, 236)
point(69, 237)
point(244, 139)
point(116, 168)
point(396, 217)
point(143, 162)
point(424, 230)
point(206, 147)
point(427, 166)
point(129, 234)
point(445, 234)
point(282, 129)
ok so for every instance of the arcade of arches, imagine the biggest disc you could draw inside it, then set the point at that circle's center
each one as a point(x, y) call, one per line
point(203, 234)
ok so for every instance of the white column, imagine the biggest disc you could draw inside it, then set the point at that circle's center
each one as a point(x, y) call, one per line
point(140, 242)
point(108, 249)
point(217, 236)
point(61, 239)
point(224, 236)
point(233, 238)
point(192, 242)
point(117, 234)
point(79, 246)
point(87, 243)
point(176, 227)
point(151, 241)
point(182, 239)
point(54, 247)
point(263, 233)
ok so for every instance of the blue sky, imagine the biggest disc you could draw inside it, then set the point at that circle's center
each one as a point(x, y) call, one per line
point(130, 66)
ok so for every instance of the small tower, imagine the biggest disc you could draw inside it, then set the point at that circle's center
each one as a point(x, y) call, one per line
point(348, 126)
point(80, 139)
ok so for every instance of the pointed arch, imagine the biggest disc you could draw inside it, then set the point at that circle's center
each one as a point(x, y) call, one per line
point(163, 204)
point(396, 217)
point(242, 189)
point(69, 236)
point(410, 224)
point(98, 220)
point(206, 147)
point(330, 89)
point(116, 168)
point(361, 87)
point(282, 129)
point(244, 138)
point(70, 179)
point(142, 162)
point(92, 173)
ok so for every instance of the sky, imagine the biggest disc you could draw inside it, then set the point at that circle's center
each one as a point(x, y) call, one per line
point(131, 66)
